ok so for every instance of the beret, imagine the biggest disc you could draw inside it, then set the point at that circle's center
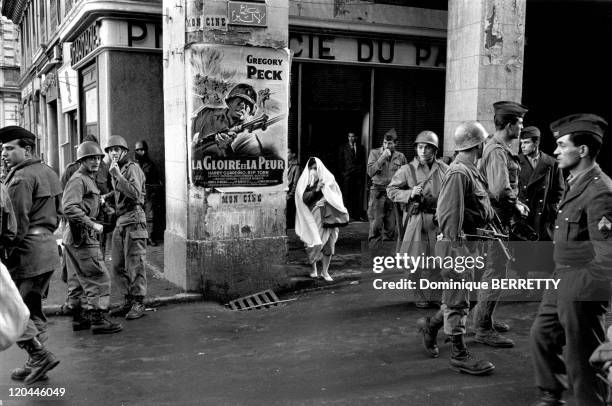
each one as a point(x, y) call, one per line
point(14, 132)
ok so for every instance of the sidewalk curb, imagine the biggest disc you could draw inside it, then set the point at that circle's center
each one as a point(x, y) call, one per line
point(56, 310)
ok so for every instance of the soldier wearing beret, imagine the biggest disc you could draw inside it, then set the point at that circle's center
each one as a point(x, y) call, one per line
point(35, 192)
point(573, 314)
point(383, 162)
point(500, 167)
point(540, 188)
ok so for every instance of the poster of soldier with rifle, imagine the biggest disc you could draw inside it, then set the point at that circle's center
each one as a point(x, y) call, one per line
point(239, 105)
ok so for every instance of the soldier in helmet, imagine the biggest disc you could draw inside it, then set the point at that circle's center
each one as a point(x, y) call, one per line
point(35, 193)
point(572, 316)
point(240, 101)
point(130, 235)
point(463, 206)
point(417, 186)
point(383, 162)
point(84, 260)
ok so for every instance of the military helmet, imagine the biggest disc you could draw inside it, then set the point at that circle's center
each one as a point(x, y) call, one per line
point(468, 135)
point(116, 141)
point(89, 149)
point(427, 137)
point(244, 91)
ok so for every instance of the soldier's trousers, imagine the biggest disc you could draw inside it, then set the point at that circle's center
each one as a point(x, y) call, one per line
point(88, 278)
point(32, 291)
point(496, 263)
point(566, 318)
point(129, 255)
point(455, 303)
point(382, 218)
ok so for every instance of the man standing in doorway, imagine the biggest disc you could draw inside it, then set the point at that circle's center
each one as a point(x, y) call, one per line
point(500, 167)
point(130, 235)
point(351, 163)
point(383, 162)
point(35, 192)
point(155, 192)
point(572, 316)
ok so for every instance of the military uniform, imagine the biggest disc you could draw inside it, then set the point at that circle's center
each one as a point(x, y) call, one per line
point(420, 231)
point(81, 203)
point(130, 235)
point(500, 167)
point(573, 314)
point(35, 193)
point(211, 120)
point(463, 206)
point(380, 207)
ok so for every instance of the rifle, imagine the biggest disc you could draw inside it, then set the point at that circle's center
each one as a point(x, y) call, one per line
point(262, 122)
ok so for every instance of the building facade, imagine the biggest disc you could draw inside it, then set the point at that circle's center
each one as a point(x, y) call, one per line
point(89, 68)
point(9, 73)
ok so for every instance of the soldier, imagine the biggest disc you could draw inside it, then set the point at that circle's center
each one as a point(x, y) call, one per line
point(35, 192)
point(211, 120)
point(463, 206)
point(573, 314)
point(154, 186)
point(383, 162)
point(130, 235)
point(293, 175)
point(500, 167)
point(351, 165)
point(84, 259)
point(417, 185)
point(540, 188)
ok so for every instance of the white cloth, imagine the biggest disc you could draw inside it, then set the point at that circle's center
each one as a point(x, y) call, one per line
point(14, 314)
point(308, 226)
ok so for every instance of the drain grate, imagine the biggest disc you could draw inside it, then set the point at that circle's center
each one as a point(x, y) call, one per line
point(259, 300)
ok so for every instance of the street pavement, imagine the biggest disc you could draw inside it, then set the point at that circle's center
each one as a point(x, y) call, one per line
point(349, 345)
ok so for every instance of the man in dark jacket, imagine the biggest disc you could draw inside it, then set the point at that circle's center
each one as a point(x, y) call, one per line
point(540, 188)
point(35, 192)
point(351, 161)
point(155, 192)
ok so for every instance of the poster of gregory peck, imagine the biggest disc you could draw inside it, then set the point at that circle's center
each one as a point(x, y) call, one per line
point(238, 105)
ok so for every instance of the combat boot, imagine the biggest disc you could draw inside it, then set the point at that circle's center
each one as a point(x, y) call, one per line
point(19, 374)
point(124, 308)
point(549, 398)
point(137, 310)
point(80, 321)
point(493, 339)
point(101, 325)
point(430, 336)
point(462, 361)
point(41, 360)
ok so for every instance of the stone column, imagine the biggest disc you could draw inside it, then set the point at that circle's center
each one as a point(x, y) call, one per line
point(223, 241)
point(486, 41)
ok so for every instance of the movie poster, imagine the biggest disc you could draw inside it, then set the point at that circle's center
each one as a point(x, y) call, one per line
point(238, 105)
